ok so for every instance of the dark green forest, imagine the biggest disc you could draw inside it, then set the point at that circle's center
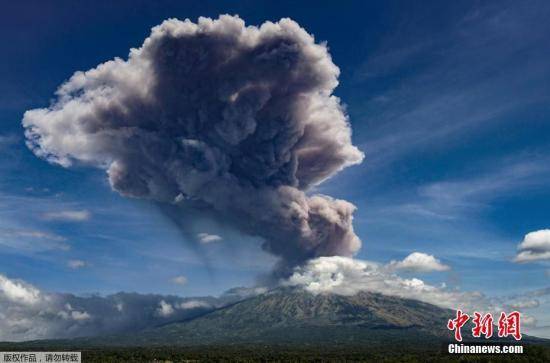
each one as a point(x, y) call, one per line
point(404, 353)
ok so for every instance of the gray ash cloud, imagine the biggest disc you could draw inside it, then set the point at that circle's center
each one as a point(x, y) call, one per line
point(236, 121)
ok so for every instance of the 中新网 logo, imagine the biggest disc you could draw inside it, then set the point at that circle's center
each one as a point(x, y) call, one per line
point(507, 325)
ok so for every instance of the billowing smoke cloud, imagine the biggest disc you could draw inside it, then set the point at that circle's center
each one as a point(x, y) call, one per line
point(238, 121)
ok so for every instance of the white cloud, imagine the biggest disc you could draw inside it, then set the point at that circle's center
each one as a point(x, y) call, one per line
point(165, 309)
point(524, 304)
point(347, 276)
point(193, 304)
point(205, 238)
point(76, 264)
point(68, 215)
point(527, 320)
point(534, 247)
point(70, 313)
point(180, 280)
point(80, 315)
point(32, 240)
point(32, 234)
point(26, 313)
point(18, 292)
point(530, 256)
point(419, 262)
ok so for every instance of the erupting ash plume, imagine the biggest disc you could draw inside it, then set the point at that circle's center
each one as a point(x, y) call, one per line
point(216, 116)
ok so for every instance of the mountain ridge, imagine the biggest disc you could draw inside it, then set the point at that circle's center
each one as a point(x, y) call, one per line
point(295, 316)
point(291, 316)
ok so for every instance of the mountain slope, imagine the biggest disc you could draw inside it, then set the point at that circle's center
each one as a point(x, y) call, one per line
point(292, 316)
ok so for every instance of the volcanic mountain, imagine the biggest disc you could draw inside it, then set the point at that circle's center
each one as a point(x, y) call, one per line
point(291, 316)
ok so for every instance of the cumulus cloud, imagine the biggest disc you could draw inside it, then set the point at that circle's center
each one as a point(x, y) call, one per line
point(234, 121)
point(180, 280)
point(205, 238)
point(165, 309)
point(18, 291)
point(29, 313)
point(534, 247)
point(76, 264)
point(71, 314)
point(168, 309)
point(347, 276)
point(193, 304)
point(419, 262)
point(68, 215)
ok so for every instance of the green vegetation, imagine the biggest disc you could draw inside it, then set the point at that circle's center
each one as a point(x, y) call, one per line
point(296, 354)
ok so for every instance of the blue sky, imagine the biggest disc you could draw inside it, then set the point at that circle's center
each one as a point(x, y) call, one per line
point(449, 101)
